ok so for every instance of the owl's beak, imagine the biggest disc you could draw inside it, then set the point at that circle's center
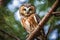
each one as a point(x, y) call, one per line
point(27, 10)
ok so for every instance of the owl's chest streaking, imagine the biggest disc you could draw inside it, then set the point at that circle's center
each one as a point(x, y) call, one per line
point(29, 23)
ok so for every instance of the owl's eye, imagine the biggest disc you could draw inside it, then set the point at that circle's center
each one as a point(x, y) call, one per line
point(24, 9)
point(30, 9)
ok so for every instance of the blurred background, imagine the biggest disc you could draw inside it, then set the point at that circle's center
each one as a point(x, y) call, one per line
point(10, 27)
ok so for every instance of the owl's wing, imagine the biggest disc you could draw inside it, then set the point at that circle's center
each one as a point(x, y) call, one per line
point(37, 18)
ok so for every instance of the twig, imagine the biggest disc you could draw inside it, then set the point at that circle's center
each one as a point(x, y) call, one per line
point(44, 20)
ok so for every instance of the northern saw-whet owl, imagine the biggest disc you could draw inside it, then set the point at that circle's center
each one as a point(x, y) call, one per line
point(29, 18)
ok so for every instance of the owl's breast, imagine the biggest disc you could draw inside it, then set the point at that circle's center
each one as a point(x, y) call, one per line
point(25, 23)
point(29, 23)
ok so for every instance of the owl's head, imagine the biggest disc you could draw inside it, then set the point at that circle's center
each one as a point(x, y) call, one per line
point(27, 9)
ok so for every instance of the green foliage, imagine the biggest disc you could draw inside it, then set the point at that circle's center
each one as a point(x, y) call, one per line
point(13, 27)
point(31, 1)
point(10, 25)
point(50, 2)
point(5, 2)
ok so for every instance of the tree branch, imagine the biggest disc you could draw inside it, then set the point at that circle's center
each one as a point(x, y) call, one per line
point(9, 34)
point(44, 20)
point(57, 14)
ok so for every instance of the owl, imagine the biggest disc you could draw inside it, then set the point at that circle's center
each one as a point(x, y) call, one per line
point(29, 18)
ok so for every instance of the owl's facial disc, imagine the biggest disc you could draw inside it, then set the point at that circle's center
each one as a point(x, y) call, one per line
point(27, 10)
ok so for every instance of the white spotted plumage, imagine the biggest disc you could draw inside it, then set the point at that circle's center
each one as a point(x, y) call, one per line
point(35, 19)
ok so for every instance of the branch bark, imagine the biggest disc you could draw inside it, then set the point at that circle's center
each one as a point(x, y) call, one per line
point(2, 2)
point(57, 14)
point(44, 20)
